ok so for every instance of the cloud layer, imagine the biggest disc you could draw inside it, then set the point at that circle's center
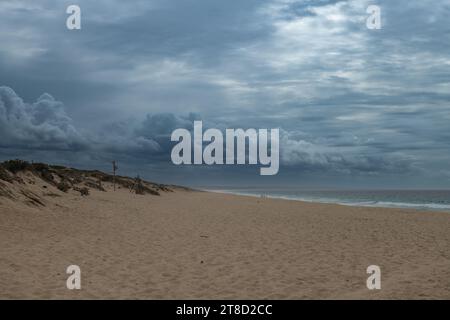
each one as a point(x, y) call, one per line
point(42, 124)
point(350, 101)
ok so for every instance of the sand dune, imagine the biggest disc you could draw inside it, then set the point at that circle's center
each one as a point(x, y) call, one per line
point(199, 245)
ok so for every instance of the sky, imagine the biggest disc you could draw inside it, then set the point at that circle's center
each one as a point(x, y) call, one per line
point(356, 107)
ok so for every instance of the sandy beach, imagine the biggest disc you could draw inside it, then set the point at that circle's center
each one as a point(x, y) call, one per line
point(201, 245)
point(318, 129)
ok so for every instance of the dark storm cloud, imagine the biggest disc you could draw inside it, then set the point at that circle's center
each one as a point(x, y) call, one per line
point(42, 124)
point(45, 125)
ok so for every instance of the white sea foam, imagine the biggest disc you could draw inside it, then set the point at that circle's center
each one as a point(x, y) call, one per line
point(387, 204)
point(381, 204)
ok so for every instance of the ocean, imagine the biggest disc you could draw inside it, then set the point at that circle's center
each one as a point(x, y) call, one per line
point(413, 199)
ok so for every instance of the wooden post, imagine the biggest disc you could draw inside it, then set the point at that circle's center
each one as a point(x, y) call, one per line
point(114, 173)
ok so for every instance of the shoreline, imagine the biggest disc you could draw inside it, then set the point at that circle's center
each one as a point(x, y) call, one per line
point(369, 204)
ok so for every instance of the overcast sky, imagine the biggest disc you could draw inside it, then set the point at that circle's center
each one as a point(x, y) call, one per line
point(355, 107)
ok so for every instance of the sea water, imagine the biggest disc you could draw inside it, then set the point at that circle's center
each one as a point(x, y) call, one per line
point(414, 199)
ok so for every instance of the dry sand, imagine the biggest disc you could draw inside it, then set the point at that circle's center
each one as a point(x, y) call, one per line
point(198, 245)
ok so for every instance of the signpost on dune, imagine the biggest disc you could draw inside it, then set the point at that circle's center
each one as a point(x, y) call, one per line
point(115, 167)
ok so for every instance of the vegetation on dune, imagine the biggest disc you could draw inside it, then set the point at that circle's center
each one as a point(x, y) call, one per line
point(63, 186)
point(15, 166)
point(4, 175)
point(83, 191)
point(66, 179)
